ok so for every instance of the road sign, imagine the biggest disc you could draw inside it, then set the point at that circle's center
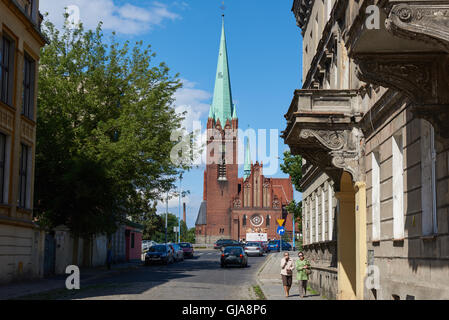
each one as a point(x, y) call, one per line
point(280, 231)
point(281, 222)
point(175, 229)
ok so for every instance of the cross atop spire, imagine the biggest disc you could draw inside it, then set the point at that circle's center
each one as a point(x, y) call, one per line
point(222, 106)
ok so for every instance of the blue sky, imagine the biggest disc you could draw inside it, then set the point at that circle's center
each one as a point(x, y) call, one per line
point(264, 49)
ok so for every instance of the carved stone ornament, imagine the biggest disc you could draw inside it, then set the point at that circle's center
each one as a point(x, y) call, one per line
point(266, 183)
point(423, 77)
point(341, 149)
point(333, 140)
point(424, 22)
point(237, 203)
point(276, 203)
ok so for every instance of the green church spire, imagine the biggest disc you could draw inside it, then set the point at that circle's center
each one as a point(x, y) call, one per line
point(234, 113)
point(247, 165)
point(222, 102)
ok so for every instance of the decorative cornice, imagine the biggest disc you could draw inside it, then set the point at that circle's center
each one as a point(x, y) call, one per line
point(422, 77)
point(423, 22)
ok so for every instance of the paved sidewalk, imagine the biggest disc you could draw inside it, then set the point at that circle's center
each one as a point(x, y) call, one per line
point(24, 288)
point(270, 281)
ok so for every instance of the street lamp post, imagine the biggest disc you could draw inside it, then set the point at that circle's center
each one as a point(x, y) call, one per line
point(166, 218)
point(179, 211)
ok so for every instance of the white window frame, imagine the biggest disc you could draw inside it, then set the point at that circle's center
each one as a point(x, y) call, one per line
point(330, 211)
point(398, 187)
point(323, 215)
point(375, 195)
point(316, 218)
point(311, 220)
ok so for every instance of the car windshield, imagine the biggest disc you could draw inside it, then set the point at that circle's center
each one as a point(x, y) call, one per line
point(157, 249)
point(233, 251)
point(185, 245)
point(253, 244)
point(273, 242)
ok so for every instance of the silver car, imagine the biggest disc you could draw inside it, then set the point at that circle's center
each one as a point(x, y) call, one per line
point(254, 249)
point(178, 253)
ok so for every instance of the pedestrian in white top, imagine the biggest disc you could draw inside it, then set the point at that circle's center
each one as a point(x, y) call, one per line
point(287, 273)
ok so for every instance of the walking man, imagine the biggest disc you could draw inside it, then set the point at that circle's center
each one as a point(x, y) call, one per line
point(287, 273)
point(303, 271)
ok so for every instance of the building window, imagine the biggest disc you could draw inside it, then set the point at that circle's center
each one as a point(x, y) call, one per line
point(310, 221)
point(268, 220)
point(304, 224)
point(375, 195)
point(330, 211)
point(28, 87)
point(398, 188)
point(428, 180)
point(24, 176)
point(244, 220)
point(2, 166)
point(316, 218)
point(6, 70)
point(323, 216)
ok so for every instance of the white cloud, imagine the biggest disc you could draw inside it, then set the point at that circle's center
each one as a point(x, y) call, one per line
point(193, 101)
point(173, 205)
point(125, 19)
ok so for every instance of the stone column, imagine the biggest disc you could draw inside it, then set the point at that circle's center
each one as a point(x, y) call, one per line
point(346, 240)
point(361, 245)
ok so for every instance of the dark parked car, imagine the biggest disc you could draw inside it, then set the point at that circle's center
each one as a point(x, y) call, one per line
point(159, 253)
point(187, 248)
point(223, 243)
point(234, 256)
point(274, 245)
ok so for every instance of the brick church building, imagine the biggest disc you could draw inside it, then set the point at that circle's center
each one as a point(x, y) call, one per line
point(234, 206)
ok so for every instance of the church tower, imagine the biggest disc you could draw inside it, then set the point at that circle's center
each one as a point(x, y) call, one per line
point(221, 174)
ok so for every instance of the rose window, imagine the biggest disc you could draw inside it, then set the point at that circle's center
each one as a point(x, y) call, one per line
point(257, 220)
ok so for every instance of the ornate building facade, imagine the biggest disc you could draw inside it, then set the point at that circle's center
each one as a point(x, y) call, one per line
point(21, 240)
point(372, 116)
point(233, 206)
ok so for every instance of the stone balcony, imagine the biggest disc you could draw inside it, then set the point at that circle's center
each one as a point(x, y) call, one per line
point(322, 126)
point(409, 54)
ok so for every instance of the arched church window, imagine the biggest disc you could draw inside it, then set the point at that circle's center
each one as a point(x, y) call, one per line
point(244, 219)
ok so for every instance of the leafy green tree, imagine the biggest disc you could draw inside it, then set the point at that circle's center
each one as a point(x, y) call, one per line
point(105, 119)
point(172, 222)
point(151, 221)
point(293, 167)
point(190, 235)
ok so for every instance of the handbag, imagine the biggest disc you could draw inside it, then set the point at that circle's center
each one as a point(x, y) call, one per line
point(308, 272)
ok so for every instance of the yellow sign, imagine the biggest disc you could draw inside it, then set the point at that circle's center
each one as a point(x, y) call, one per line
point(281, 222)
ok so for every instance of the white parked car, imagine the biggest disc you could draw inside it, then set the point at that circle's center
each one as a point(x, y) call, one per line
point(254, 249)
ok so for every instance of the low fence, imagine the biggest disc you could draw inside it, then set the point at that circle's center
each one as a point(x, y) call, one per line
point(202, 246)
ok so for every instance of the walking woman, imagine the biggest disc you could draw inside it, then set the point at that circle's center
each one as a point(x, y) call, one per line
point(303, 270)
point(287, 273)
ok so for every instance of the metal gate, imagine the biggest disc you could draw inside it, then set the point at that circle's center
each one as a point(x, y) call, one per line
point(49, 254)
